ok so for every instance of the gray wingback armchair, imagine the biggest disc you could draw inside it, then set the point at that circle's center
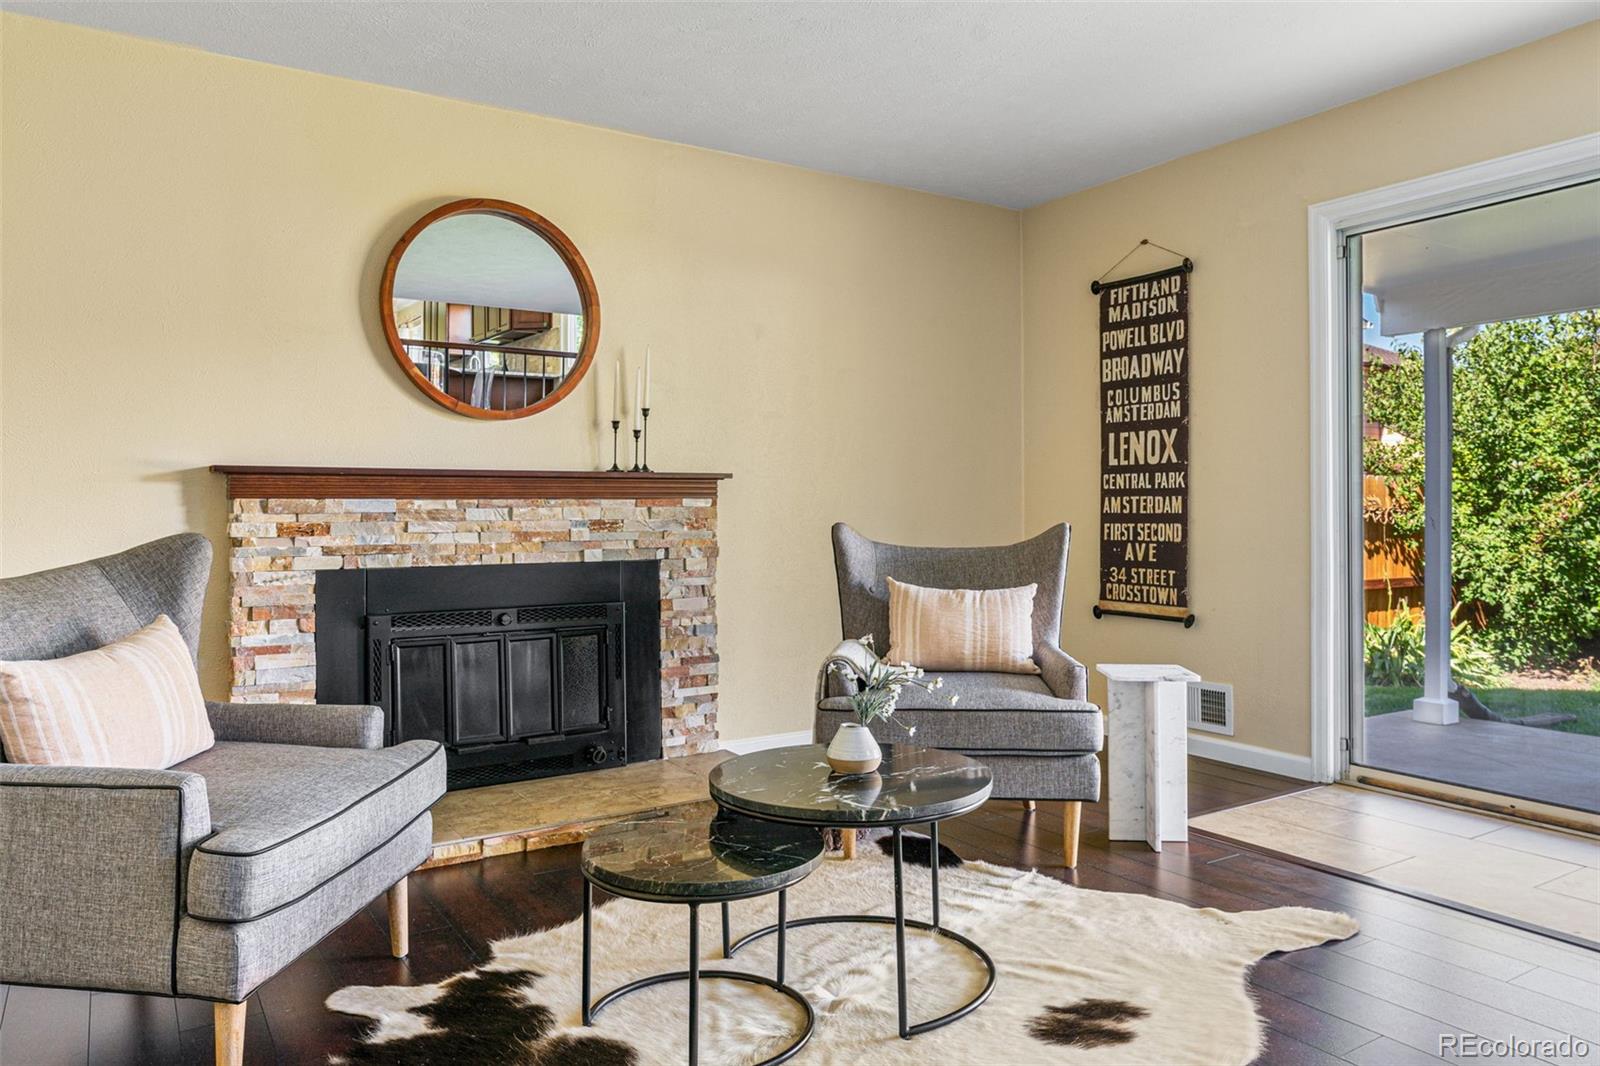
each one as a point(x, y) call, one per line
point(1037, 733)
point(205, 879)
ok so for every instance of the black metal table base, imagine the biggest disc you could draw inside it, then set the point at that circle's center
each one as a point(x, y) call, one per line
point(694, 974)
point(901, 923)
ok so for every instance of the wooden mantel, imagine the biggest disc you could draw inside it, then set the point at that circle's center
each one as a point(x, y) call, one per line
point(350, 482)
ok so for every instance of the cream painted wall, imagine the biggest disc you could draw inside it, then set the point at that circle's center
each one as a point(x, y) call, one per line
point(178, 203)
point(1239, 211)
point(191, 246)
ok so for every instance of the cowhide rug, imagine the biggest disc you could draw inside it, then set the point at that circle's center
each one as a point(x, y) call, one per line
point(1084, 977)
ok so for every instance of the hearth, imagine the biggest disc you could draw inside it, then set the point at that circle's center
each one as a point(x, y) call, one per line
point(520, 670)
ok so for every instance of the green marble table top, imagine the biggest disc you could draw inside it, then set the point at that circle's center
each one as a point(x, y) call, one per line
point(699, 853)
point(797, 785)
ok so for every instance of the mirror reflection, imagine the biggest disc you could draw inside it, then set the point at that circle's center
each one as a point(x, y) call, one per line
point(488, 312)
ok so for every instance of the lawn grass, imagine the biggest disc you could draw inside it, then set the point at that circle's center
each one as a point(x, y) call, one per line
point(1511, 702)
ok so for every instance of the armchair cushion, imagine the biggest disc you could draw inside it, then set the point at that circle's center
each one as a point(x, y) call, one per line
point(289, 818)
point(995, 712)
point(978, 691)
point(229, 960)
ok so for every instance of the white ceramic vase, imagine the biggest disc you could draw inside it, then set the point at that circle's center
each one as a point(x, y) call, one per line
point(854, 750)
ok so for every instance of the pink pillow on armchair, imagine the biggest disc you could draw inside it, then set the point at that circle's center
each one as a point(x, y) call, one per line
point(962, 629)
point(135, 702)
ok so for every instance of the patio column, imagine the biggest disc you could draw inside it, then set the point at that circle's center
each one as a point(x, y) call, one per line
point(1435, 704)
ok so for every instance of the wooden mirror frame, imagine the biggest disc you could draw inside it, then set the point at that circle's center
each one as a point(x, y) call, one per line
point(569, 255)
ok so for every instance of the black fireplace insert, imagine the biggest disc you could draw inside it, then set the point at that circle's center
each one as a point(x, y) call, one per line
point(520, 670)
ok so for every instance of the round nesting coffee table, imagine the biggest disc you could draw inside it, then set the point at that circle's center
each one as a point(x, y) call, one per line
point(796, 786)
point(696, 855)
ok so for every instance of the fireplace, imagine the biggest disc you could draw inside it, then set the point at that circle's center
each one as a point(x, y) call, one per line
point(320, 555)
point(520, 671)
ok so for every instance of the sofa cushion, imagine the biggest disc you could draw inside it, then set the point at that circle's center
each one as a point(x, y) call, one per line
point(288, 818)
point(995, 712)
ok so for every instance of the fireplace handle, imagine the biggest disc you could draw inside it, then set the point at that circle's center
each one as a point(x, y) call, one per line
point(478, 747)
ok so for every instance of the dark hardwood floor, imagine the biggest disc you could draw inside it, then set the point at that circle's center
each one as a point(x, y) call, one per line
point(1380, 999)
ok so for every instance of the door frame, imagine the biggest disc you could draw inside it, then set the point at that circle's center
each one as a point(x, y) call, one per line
point(1335, 503)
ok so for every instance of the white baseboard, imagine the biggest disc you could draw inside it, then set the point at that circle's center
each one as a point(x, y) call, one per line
point(771, 740)
point(1251, 757)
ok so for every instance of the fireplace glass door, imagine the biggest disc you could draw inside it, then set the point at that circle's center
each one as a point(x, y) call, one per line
point(504, 689)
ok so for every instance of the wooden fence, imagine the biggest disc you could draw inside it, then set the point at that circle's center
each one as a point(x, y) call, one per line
point(1390, 570)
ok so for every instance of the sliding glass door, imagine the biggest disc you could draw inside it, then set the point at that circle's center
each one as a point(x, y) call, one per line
point(1479, 485)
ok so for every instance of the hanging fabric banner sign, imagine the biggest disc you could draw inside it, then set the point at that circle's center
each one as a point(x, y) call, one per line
point(1144, 446)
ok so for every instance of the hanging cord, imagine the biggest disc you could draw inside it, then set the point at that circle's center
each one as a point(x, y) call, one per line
point(1096, 284)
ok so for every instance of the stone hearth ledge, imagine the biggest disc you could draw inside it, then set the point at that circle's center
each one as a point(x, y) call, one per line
point(279, 542)
point(477, 823)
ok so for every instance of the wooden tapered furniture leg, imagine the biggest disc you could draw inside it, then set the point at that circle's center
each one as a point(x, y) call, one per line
point(399, 920)
point(1069, 831)
point(229, 1021)
point(1028, 805)
point(847, 842)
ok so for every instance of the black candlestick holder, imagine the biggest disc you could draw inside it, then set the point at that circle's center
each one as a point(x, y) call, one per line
point(636, 466)
point(645, 467)
point(616, 424)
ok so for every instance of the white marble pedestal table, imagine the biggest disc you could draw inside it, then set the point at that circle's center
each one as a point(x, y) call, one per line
point(1147, 747)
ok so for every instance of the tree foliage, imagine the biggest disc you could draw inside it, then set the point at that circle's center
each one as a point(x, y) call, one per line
point(1525, 470)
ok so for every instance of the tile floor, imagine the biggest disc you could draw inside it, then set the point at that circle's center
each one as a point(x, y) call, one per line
point(1544, 877)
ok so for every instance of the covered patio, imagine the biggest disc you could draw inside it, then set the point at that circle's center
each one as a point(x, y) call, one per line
point(1440, 281)
point(1522, 761)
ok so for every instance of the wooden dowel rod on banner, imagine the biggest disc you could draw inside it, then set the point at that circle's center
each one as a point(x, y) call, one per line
point(1187, 267)
point(1186, 619)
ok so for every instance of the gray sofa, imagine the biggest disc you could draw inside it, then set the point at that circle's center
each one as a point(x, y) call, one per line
point(205, 879)
point(1037, 733)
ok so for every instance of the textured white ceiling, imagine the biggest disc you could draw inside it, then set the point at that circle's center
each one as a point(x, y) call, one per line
point(1005, 103)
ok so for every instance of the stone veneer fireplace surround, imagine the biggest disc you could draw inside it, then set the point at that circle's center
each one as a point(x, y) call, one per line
point(288, 523)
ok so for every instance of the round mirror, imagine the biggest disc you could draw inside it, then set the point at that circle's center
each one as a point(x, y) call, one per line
point(489, 309)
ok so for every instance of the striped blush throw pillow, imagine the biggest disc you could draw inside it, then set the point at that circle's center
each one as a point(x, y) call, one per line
point(962, 629)
point(135, 702)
